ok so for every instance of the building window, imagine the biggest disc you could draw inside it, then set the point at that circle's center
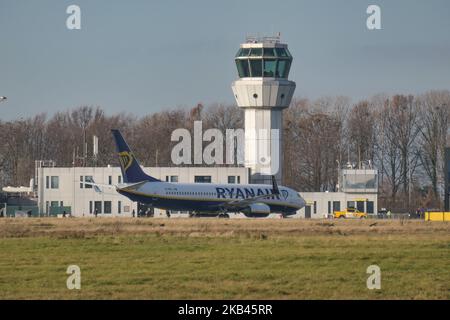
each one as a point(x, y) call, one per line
point(47, 205)
point(329, 207)
point(119, 179)
point(119, 207)
point(88, 179)
point(53, 203)
point(61, 203)
point(231, 179)
point(109, 180)
point(90, 207)
point(47, 182)
point(98, 206)
point(107, 206)
point(315, 207)
point(351, 204)
point(174, 179)
point(308, 212)
point(239, 179)
point(167, 178)
point(370, 207)
point(360, 206)
point(54, 182)
point(336, 206)
point(81, 182)
point(202, 179)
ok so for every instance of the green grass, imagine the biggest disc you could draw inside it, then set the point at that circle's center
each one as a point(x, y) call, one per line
point(241, 266)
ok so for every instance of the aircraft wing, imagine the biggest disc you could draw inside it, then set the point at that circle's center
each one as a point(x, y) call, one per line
point(124, 187)
point(242, 203)
point(97, 186)
point(131, 186)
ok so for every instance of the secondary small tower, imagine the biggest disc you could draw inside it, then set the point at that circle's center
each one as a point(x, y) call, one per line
point(263, 90)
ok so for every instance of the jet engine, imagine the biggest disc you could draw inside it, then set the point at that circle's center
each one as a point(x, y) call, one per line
point(256, 210)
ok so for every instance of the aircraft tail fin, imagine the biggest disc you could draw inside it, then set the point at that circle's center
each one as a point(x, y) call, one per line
point(131, 170)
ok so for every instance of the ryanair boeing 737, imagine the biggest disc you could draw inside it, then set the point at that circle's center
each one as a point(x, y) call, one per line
point(218, 199)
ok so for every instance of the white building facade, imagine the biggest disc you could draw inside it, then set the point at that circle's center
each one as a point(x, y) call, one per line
point(64, 188)
point(358, 188)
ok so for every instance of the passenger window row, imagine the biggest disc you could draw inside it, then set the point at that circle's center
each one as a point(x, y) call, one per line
point(191, 193)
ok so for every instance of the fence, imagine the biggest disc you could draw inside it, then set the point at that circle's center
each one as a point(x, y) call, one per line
point(31, 211)
point(437, 216)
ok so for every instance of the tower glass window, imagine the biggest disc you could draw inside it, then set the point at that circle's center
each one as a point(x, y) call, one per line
point(283, 68)
point(270, 67)
point(269, 52)
point(256, 67)
point(243, 69)
point(243, 52)
point(263, 62)
point(281, 52)
point(256, 52)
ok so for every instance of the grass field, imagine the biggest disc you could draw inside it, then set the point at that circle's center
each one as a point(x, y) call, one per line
point(223, 259)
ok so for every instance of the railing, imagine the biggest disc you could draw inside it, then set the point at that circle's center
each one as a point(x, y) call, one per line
point(254, 39)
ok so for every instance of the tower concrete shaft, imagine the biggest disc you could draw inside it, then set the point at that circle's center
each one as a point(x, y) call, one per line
point(264, 91)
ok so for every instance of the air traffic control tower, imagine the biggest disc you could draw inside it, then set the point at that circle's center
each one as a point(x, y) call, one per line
point(263, 91)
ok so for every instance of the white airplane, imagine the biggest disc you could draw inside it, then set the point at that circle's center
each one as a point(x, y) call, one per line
point(254, 200)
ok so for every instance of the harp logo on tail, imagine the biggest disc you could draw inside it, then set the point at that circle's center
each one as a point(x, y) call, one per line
point(126, 159)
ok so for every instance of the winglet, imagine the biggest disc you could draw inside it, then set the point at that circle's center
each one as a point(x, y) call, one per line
point(275, 191)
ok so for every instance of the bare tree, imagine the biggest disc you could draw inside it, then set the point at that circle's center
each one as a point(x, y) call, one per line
point(397, 145)
point(361, 124)
point(434, 114)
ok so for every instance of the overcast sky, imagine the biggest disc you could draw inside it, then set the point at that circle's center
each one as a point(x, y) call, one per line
point(145, 56)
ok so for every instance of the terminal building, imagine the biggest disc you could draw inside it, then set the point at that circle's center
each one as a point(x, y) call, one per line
point(63, 189)
point(358, 188)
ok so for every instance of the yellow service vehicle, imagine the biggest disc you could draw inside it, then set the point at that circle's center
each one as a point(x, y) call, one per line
point(350, 213)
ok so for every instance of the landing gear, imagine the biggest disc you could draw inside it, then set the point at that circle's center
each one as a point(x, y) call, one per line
point(224, 216)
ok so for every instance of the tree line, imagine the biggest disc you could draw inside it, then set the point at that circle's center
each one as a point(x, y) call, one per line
point(403, 136)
